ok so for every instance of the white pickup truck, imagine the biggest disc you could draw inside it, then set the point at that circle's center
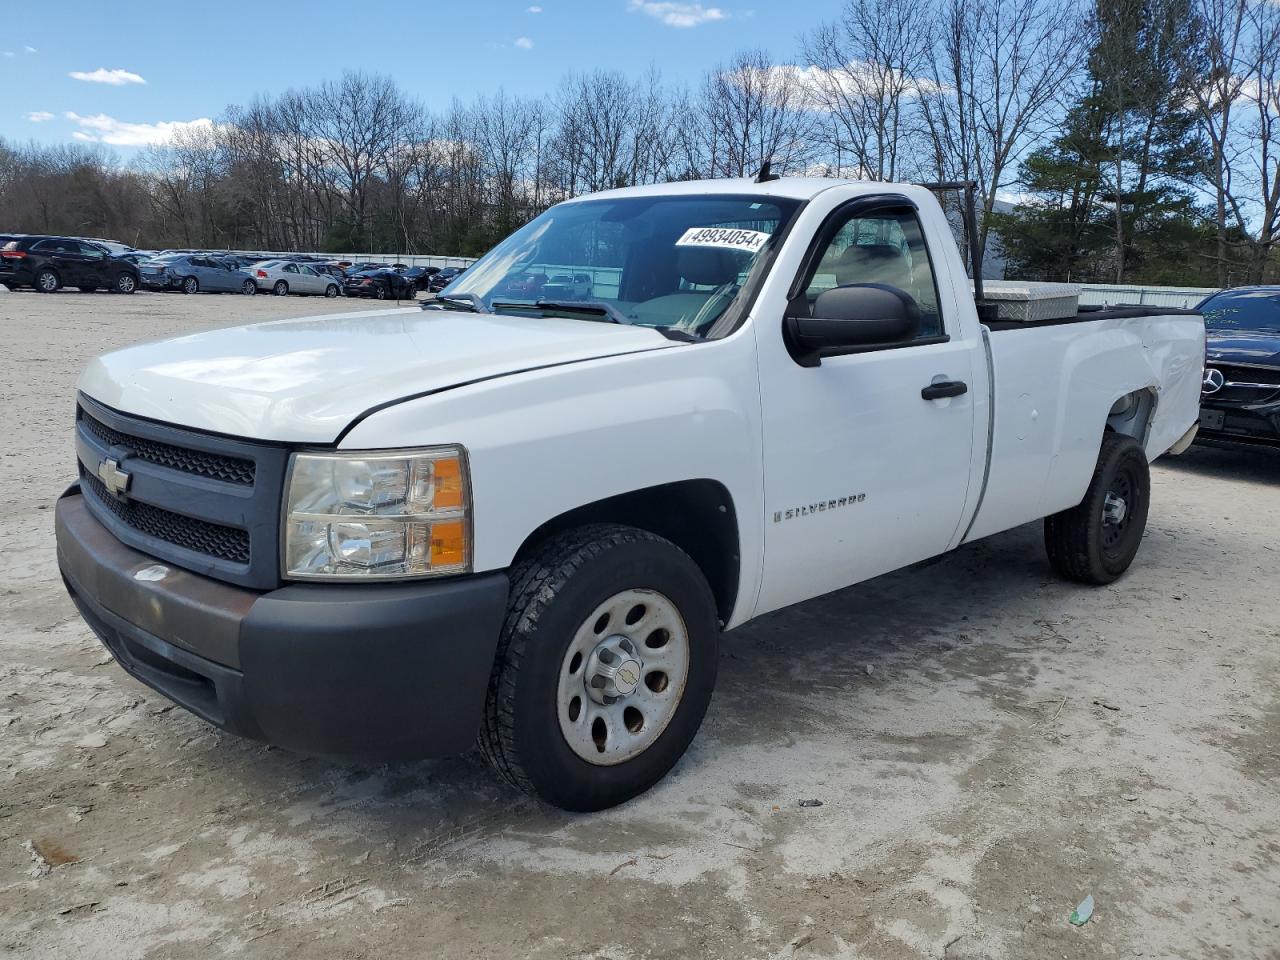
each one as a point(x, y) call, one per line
point(524, 515)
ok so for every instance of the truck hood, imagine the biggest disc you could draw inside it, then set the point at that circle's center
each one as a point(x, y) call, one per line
point(304, 381)
point(1240, 346)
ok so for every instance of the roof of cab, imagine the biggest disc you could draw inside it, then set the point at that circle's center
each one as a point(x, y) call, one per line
point(796, 188)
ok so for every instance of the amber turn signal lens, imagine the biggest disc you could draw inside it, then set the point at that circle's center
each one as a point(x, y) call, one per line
point(448, 483)
point(448, 544)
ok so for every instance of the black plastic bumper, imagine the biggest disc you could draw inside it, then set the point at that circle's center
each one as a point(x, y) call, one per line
point(377, 671)
point(1243, 423)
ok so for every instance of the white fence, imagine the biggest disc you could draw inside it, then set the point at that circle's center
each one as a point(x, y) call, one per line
point(1105, 294)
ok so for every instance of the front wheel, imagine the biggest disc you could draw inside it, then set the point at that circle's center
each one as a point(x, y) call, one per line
point(126, 283)
point(331, 291)
point(1096, 541)
point(249, 288)
point(605, 667)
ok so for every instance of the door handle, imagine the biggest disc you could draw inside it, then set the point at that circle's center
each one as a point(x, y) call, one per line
point(944, 389)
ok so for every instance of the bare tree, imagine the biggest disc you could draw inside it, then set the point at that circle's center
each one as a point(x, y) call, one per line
point(751, 112)
point(866, 71)
point(998, 68)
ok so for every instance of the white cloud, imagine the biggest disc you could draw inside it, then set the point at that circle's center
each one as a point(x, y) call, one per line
point(678, 14)
point(101, 128)
point(535, 10)
point(524, 43)
point(116, 78)
point(29, 50)
point(39, 116)
point(824, 88)
point(8, 53)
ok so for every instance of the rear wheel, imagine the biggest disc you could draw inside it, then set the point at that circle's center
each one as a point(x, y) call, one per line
point(1096, 541)
point(190, 285)
point(47, 281)
point(605, 667)
point(280, 289)
point(249, 288)
point(380, 293)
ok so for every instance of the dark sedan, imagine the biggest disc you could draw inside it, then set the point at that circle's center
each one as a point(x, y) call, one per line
point(1240, 399)
point(445, 277)
point(382, 284)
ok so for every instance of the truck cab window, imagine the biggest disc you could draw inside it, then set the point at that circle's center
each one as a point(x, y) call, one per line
point(883, 248)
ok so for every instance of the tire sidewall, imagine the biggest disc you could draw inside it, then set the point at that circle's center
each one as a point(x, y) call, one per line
point(1120, 455)
point(124, 280)
point(191, 285)
point(249, 288)
point(57, 282)
point(556, 772)
point(280, 288)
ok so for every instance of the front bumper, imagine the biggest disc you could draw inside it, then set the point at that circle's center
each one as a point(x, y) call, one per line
point(1240, 422)
point(374, 671)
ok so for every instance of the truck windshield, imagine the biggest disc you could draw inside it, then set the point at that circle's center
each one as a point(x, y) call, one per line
point(1243, 310)
point(675, 263)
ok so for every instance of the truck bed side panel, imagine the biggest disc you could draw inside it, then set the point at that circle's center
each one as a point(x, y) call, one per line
point(1054, 388)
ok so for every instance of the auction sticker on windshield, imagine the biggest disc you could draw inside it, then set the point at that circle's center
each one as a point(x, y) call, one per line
point(749, 240)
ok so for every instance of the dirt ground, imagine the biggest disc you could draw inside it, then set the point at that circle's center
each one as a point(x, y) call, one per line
point(989, 744)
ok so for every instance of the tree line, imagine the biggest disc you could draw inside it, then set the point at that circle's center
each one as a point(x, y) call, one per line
point(1137, 140)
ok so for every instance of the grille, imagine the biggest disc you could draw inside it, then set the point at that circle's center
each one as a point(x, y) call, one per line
point(1246, 384)
point(198, 536)
point(202, 464)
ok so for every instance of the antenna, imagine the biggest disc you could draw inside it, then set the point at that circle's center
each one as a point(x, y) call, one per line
point(765, 174)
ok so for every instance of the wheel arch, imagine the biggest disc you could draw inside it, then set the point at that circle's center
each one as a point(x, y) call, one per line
point(1132, 414)
point(698, 516)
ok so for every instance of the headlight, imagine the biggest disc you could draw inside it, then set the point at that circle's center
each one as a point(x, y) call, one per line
point(370, 515)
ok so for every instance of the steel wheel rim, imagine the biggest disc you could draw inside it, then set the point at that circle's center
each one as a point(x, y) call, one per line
point(606, 730)
point(1117, 510)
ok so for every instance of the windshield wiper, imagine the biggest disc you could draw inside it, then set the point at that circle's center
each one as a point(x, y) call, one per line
point(571, 306)
point(467, 301)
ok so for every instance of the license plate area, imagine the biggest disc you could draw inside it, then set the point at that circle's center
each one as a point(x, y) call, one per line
point(1211, 419)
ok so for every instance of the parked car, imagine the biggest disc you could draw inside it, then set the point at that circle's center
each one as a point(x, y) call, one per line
point(196, 273)
point(568, 286)
point(527, 524)
point(48, 263)
point(383, 284)
point(420, 276)
point(1240, 399)
point(444, 277)
point(283, 277)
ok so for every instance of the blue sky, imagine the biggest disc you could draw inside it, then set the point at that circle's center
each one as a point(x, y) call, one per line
point(118, 74)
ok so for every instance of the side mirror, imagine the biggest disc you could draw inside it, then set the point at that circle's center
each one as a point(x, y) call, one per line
point(851, 319)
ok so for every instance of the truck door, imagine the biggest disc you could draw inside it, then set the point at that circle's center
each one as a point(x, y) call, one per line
point(866, 467)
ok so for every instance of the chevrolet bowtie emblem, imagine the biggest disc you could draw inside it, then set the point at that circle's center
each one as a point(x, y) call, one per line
point(113, 478)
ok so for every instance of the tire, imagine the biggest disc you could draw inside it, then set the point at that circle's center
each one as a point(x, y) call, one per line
point(331, 291)
point(380, 293)
point(1096, 541)
point(249, 288)
point(47, 281)
point(88, 289)
point(190, 285)
point(281, 289)
point(125, 283)
point(557, 597)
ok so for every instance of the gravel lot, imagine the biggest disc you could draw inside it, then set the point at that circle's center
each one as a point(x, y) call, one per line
point(989, 744)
